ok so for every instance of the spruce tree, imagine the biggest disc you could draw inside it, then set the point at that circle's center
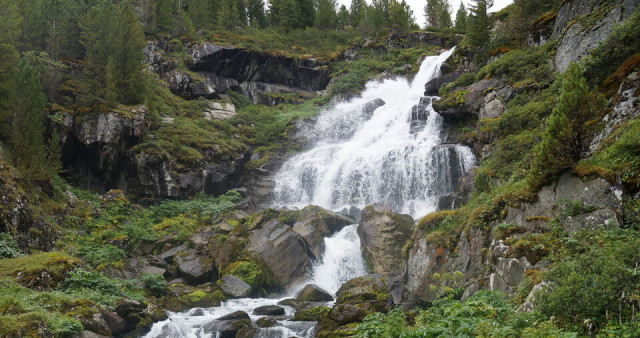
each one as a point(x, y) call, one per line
point(478, 23)
point(27, 104)
point(357, 12)
point(343, 16)
point(399, 16)
point(307, 13)
point(326, 16)
point(569, 127)
point(110, 31)
point(10, 23)
point(438, 13)
point(255, 13)
point(461, 17)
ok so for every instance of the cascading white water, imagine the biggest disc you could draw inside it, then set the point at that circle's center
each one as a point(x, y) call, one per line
point(382, 147)
point(342, 261)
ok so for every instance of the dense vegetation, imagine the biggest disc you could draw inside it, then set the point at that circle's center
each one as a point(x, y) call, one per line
point(85, 56)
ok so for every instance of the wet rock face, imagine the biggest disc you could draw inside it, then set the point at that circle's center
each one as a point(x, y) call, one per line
point(383, 233)
point(579, 36)
point(313, 293)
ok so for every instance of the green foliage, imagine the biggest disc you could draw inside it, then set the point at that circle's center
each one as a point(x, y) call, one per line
point(569, 127)
point(622, 43)
point(438, 13)
point(8, 246)
point(618, 155)
point(203, 205)
point(101, 289)
point(461, 17)
point(113, 39)
point(478, 23)
point(389, 325)
point(485, 314)
point(249, 272)
point(154, 283)
point(102, 255)
point(595, 276)
point(36, 159)
point(522, 64)
point(482, 182)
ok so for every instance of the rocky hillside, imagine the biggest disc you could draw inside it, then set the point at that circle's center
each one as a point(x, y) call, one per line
point(161, 200)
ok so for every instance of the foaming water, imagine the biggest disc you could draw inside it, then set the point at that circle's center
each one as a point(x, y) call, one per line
point(341, 262)
point(382, 147)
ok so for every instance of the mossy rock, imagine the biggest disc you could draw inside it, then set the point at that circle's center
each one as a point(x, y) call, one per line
point(365, 288)
point(39, 271)
point(313, 314)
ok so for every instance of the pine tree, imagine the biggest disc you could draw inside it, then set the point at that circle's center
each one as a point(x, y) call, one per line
point(357, 12)
point(399, 16)
point(478, 23)
point(461, 17)
point(326, 17)
point(307, 13)
point(203, 13)
point(110, 31)
point(30, 153)
point(569, 127)
point(438, 13)
point(164, 18)
point(10, 23)
point(343, 16)
point(9, 59)
point(283, 14)
point(255, 13)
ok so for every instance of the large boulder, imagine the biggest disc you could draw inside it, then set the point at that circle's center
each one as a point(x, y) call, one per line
point(234, 286)
point(360, 297)
point(486, 98)
point(313, 293)
point(282, 250)
point(383, 234)
point(269, 310)
point(194, 267)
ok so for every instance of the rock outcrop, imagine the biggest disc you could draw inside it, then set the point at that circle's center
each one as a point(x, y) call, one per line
point(215, 69)
point(582, 24)
point(493, 258)
point(383, 234)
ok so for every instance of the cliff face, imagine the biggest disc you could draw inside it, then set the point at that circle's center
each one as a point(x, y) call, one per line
point(213, 69)
point(580, 25)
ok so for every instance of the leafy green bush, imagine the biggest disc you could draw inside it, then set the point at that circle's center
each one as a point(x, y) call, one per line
point(484, 314)
point(8, 246)
point(482, 182)
point(106, 254)
point(202, 204)
point(155, 283)
point(392, 324)
point(102, 289)
point(593, 276)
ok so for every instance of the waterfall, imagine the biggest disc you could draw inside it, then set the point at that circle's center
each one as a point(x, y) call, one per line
point(382, 147)
point(341, 262)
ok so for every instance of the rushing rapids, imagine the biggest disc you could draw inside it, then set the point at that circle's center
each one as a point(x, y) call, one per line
point(382, 147)
point(342, 262)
